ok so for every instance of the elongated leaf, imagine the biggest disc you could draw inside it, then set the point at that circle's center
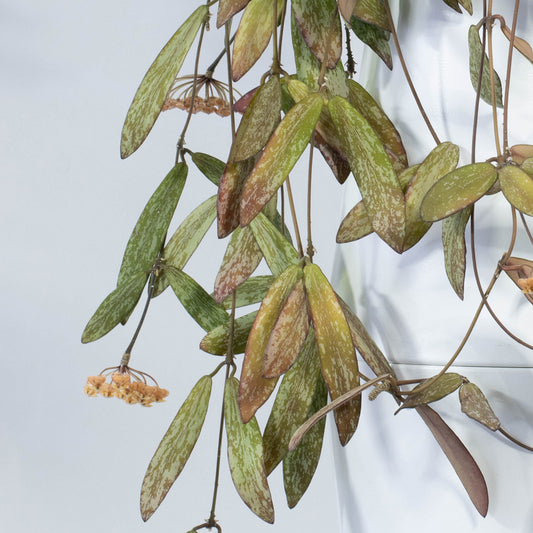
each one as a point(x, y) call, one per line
point(292, 403)
point(245, 456)
point(278, 251)
point(436, 389)
point(336, 160)
point(252, 291)
point(376, 179)
point(475, 405)
point(186, 239)
point(476, 53)
point(373, 12)
point(197, 302)
point(253, 35)
point(517, 186)
point(228, 8)
point(462, 461)
point(520, 44)
point(211, 167)
point(454, 245)
point(254, 388)
point(439, 162)
point(116, 308)
point(314, 18)
point(259, 121)
point(216, 341)
point(152, 91)
point(467, 4)
point(337, 354)
point(242, 257)
point(149, 232)
point(288, 334)
point(457, 190)
point(175, 448)
point(299, 466)
point(374, 37)
point(279, 156)
point(346, 8)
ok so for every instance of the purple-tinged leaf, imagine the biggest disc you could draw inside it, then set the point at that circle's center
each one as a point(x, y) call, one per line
point(228, 8)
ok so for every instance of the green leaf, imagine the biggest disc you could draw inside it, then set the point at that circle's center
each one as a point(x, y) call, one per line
point(284, 148)
point(314, 18)
point(374, 37)
point(259, 121)
point(186, 239)
point(373, 12)
point(245, 456)
point(152, 91)
point(453, 241)
point(149, 232)
point(435, 389)
point(278, 251)
point(241, 258)
point(116, 308)
point(457, 190)
point(335, 347)
point(197, 302)
point(527, 166)
point(252, 291)
point(211, 167)
point(228, 8)
point(299, 466)
point(475, 405)
point(175, 448)
point(517, 186)
point(376, 179)
point(476, 53)
point(216, 341)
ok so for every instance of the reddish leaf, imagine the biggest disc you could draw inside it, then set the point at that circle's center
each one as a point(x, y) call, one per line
point(228, 8)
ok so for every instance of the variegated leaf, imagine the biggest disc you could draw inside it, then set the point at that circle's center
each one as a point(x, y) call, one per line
point(517, 186)
point(457, 190)
point(152, 91)
point(149, 232)
point(372, 12)
point(475, 405)
point(292, 403)
point(337, 354)
point(252, 291)
point(453, 241)
point(374, 37)
point(279, 156)
point(435, 389)
point(245, 456)
point(228, 8)
point(376, 179)
point(216, 341)
point(254, 388)
point(211, 167)
point(175, 448)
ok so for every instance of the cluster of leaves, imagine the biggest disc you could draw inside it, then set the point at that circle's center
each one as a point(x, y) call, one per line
point(302, 332)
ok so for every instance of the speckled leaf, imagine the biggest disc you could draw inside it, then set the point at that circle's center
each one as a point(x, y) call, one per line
point(453, 241)
point(439, 387)
point(253, 35)
point(228, 8)
point(259, 121)
point(467, 4)
point(252, 291)
point(376, 179)
point(475, 405)
point(337, 354)
point(476, 52)
point(335, 160)
point(376, 117)
point(373, 12)
point(374, 37)
point(186, 239)
point(216, 341)
point(116, 308)
point(439, 162)
point(288, 334)
point(241, 258)
point(149, 232)
point(346, 8)
point(211, 167)
point(279, 156)
point(527, 166)
point(521, 152)
point(517, 186)
point(197, 302)
point(278, 251)
point(254, 388)
point(314, 19)
point(245, 456)
point(152, 91)
point(292, 403)
point(299, 466)
point(457, 190)
point(462, 461)
point(175, 448)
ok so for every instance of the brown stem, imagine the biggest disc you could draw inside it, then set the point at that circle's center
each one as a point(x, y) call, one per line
point(492, 81)
point(310, 248)
point(294, 218)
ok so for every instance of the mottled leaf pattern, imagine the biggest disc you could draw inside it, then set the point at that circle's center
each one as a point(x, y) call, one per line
point(374, 37)
point(475, 405)
point(435, 389)
point(517, 186)
point(252, 291)
point(211, 167)
point(175, 448)
point(245, 456)
point(216, 341)
point(152, 91)
point(373, 12)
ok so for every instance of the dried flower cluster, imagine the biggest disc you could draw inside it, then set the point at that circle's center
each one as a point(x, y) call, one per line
point(122, 386)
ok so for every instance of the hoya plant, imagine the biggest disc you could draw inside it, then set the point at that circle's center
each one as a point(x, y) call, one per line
point(301, 342)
